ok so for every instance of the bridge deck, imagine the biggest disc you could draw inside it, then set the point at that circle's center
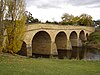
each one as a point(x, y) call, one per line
point(58, 27)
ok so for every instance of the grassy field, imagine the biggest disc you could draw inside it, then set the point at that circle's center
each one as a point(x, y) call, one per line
point(17, 65)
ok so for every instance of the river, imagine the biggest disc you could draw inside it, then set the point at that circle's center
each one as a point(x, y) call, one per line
point(84, 52)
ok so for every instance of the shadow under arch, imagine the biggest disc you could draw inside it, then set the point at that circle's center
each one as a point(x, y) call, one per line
point(61, 44)
point(73, 35)
point(23, 50)
point(82, 35)
point(41, 44)
point(73, 39)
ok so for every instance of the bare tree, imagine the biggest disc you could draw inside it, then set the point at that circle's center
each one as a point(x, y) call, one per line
point(2, 25)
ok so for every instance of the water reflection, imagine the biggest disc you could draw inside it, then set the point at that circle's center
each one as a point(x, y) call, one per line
point(91, 54)
point(84, 52)
point(80, 53)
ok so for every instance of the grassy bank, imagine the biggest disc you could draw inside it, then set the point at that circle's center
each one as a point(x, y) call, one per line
point(16, 65)
point(94, 39)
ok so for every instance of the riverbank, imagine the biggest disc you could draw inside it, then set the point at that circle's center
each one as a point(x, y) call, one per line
point(94, 39)
point(20, 65)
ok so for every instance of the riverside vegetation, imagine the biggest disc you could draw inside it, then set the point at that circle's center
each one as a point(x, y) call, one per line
point(94, 39)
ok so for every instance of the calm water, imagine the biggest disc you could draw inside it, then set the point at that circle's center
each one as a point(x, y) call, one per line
point(80, 53)
point(77, 53)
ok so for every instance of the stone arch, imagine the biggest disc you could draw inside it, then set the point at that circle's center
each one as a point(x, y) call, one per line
point(41, 43)
point(23, 50)
point(73, 35)
point(82, 35)
point(61, 40)
point(73, 38)
point(61, 44)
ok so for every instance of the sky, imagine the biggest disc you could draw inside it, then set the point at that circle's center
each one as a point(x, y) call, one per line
point(52, 10)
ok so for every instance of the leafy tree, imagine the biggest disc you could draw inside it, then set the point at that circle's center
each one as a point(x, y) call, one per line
point(54, 22)
point(30, 18)
point(36, 20)
point(75, 20)
point(15, 19)
point(85, 20)
point(67, 19)
point(47, 21)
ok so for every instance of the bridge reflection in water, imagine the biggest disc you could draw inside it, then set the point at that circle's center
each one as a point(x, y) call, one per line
point(77, 53)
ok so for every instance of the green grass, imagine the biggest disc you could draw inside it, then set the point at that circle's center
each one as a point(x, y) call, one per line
point(16, 65)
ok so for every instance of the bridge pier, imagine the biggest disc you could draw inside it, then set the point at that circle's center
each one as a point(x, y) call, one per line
point(76, 42)
point(69, 46)
point(76, 45)
point(64, 49)
point(79, 43)
point(26, 49)
point(29, 50)
point(53, 48)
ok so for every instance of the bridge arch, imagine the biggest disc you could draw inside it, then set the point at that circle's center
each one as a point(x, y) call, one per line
point(73, 35)
point(61, 44)
point(73, 38)
point(23, 50)
point(82, 35)
point(41, 43)
point(61, 40)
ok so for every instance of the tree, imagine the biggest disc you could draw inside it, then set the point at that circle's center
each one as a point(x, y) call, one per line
point(85, 20)
point(15, 18)
point(36, 20)
point(48, 22)
point(75, 20)
point(67, 19)
point(2, 25)
point(30, 18)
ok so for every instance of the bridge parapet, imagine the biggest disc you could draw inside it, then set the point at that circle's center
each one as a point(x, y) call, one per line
point(59, 27)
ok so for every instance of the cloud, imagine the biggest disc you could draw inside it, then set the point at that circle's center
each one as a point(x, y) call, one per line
point(97, 6)
point(94, 6)
point(44, 3)
point(48, 9)
point(46, 6)
point(59, 3)
point(83, 2)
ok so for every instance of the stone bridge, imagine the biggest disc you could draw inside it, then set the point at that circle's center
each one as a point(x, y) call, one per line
point(47, 39)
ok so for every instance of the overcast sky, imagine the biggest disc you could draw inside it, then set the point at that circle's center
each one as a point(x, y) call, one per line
point(52, 10)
